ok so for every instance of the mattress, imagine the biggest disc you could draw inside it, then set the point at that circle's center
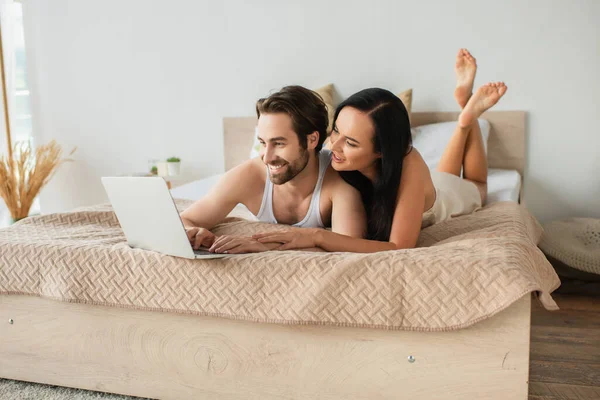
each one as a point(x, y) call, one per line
point(503, 185)
point(464, 270)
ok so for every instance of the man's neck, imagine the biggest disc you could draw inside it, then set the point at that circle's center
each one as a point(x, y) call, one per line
point(303, 184)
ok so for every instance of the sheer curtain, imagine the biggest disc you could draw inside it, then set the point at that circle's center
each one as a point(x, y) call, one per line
point(17, 90)
point(7, 20)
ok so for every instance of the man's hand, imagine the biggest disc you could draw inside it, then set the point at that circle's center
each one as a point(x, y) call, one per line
point(237, 245)
point(199, 237)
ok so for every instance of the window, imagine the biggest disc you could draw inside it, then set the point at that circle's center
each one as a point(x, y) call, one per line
point(16, 83)
point(21, 117)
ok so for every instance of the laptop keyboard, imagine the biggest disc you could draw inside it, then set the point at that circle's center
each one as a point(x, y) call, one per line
point(202, 252)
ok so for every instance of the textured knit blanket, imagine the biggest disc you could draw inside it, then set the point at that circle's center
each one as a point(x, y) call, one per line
point(465, 270)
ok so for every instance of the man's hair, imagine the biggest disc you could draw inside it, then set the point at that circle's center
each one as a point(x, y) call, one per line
point(305, 107)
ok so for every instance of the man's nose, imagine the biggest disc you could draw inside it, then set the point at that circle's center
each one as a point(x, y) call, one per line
point(269, 153)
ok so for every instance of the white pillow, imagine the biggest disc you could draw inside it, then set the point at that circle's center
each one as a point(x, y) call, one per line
point(255, 150)
point(431, 140)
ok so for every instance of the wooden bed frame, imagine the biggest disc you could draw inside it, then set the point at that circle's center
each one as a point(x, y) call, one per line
point(506, 144)
point(178, 356)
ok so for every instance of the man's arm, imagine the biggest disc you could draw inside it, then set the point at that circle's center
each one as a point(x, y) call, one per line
point(231, 189)
point(348, 215)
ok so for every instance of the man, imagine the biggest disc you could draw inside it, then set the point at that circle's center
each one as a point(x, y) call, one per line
point(291, 182)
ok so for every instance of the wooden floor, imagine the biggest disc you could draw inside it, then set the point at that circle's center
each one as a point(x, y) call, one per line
point(565, 346)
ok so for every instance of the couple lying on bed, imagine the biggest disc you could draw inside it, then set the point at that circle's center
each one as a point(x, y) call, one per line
point(370, 186)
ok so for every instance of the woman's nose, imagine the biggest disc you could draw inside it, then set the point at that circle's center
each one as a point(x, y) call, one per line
point(335, 143)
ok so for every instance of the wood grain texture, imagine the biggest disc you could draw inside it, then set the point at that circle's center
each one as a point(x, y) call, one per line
point(557, 391)
point(175, 356)
point(565, 349)
point(238, 136)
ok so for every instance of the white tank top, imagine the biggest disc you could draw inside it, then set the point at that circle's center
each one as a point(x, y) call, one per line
point(313, 216)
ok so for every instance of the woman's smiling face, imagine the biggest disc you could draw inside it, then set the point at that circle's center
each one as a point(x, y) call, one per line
point(352, 141)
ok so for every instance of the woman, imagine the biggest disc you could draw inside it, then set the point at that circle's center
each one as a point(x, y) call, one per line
point(372, 150)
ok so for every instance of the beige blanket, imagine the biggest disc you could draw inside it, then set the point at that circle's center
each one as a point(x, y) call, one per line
point(466, 270)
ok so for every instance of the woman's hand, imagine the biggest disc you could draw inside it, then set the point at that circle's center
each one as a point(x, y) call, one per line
point(237, 245)
point(296, 238)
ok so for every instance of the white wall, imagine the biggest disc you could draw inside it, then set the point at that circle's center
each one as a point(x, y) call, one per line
point(128, 81)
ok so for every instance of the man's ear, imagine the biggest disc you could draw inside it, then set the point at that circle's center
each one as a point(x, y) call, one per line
point(312, 140)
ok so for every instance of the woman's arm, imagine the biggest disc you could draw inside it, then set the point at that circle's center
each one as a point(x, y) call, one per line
point(310, 238)
point(410, 203)
point(330, 241)
point(406, 224)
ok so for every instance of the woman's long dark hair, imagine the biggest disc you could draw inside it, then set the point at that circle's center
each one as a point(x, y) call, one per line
point(393, 141)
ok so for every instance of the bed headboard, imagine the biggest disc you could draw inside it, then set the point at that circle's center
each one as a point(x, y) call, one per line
point(506, 144)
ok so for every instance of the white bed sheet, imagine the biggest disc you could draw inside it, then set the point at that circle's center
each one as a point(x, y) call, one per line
point(503, 185)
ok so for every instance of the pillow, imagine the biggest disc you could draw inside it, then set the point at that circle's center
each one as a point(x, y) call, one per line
point(431, 140)
point(326, 93)
point(255, 150)
point(406, 98)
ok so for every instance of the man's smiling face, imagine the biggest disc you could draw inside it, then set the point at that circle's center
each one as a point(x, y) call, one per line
point(280, 148)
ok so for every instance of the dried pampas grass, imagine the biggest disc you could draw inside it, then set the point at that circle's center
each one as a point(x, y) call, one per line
point(23, 175)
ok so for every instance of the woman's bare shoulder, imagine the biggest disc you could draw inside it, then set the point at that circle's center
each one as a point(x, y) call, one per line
point(414, 162)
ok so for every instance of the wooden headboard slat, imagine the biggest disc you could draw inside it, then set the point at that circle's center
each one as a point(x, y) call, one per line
point(506, 144)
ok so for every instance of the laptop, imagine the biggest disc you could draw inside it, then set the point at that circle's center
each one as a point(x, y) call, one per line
point(149, 217)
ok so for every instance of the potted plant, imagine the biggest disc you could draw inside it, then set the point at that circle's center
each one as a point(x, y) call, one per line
point(174, 165)
point(24, 172)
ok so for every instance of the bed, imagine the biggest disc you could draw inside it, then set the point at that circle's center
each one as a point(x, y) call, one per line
point(55, 329)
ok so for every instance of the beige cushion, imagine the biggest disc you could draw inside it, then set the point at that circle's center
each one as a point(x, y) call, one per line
point(326, 92)
point(406, 98)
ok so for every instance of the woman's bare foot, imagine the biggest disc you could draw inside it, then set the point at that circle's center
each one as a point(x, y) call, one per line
point(465, 68)
point(483, 99)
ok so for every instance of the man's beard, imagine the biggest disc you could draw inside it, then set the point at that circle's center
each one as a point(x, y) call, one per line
point(290, 170)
